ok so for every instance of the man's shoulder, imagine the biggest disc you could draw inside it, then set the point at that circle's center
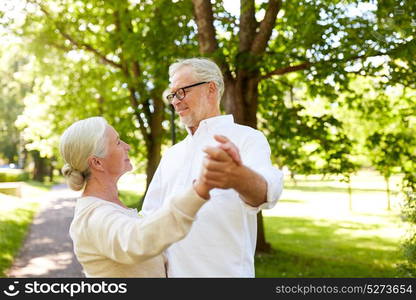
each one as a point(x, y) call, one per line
point(246, 131)
point(180, 146)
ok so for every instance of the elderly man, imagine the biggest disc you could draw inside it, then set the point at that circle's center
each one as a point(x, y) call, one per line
point(219, 244)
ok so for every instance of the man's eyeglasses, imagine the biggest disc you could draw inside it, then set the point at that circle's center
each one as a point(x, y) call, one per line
point(180, 93)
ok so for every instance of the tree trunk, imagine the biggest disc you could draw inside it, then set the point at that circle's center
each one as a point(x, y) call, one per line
point(262, 246)
point(40, 169)
point(387, 179)
point(153, 159)
point(51, 169)
point(349, 195)
point(241, 99)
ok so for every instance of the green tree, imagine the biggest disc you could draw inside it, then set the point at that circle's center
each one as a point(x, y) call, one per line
point(385, 120)
point(13, 87)
point(118, 54)
point(409, 212)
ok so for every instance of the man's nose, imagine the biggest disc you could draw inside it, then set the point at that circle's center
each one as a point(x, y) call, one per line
point(175, 101)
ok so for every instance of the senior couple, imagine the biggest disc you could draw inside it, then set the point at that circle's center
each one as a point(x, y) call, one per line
point(199, 213)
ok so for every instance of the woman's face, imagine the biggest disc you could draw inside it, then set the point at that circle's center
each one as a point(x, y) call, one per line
point(116, 162)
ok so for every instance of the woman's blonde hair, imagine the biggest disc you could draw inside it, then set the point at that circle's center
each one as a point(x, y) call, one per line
point(78, 142)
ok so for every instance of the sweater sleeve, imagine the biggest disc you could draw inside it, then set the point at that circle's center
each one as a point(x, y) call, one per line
point(129, 239)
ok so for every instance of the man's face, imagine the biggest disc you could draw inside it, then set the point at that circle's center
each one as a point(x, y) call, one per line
point(197, 104)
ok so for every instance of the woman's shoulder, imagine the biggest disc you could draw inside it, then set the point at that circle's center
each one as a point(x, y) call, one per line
point(91, 212)
point(91, 203)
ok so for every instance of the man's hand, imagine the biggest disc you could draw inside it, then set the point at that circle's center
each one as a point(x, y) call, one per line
point(223, 168)
point(230, 148)
point(226, 153)
point(219, 169)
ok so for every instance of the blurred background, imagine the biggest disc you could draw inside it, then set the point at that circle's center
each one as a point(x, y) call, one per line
point(330, 83)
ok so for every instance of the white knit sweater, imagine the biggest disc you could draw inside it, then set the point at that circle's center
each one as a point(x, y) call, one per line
point(112, 241)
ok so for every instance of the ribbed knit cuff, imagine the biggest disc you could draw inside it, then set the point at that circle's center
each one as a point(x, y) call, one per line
point(189, 202)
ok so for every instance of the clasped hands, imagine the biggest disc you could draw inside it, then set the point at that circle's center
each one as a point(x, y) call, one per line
point(220, 167)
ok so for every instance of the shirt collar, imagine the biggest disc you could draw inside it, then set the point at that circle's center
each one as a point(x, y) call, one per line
point(212, 123)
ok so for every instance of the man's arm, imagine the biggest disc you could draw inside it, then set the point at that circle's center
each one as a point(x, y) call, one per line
point(251, 186)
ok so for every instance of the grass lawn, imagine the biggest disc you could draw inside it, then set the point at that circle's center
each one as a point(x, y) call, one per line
point(16, 215)
point(314, 233)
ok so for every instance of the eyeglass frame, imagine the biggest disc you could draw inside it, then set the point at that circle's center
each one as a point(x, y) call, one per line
point(171, 96)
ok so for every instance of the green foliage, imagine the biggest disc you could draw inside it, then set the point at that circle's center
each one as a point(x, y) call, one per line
point(131, 199)
point(13, 175)
point(388, 150)
point(103, 58)
point(304, 141)
point(409, 210)
point(409, 213)
point(387, 119)
point(14, 84)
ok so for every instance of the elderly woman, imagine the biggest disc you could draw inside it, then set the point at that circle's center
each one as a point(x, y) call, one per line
point(111, 240)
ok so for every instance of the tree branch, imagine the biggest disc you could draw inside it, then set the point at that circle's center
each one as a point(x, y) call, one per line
point(248, 25)
point(89, 48)
point(307, 65)
point(266, 27)
point(289, 69)
point(208, 44)
point(135, 105)
point(131, 71)
point(79, 45)
point(205, 22)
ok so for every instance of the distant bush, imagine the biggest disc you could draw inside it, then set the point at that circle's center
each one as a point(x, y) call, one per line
point(409, 214)
point(12, 175)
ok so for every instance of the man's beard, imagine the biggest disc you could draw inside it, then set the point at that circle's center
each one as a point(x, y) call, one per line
point(188, 121)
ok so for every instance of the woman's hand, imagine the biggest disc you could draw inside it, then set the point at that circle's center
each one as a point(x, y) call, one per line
point(201, 188)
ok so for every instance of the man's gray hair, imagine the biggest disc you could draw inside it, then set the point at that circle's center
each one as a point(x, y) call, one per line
point(204, 69)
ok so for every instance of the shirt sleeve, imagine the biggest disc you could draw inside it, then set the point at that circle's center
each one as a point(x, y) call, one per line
point(130, 239)
point(256, 155)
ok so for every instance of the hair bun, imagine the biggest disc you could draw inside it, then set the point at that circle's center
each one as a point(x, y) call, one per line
point(67, 170)
point(74, 177)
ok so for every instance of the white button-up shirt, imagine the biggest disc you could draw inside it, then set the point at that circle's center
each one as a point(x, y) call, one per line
point(222, 241)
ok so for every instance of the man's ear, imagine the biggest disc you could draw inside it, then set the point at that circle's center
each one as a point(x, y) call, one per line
point(212, 87)
point(95, 163)
point(213, 90)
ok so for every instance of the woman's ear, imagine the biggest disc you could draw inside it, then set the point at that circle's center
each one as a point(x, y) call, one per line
point(95, 163)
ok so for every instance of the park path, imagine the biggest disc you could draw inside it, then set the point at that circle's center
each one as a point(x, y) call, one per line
point(47, 250)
